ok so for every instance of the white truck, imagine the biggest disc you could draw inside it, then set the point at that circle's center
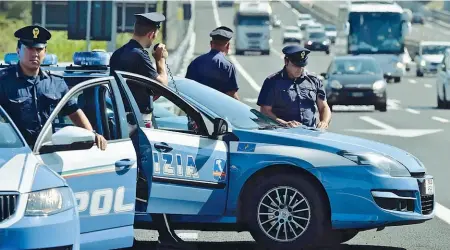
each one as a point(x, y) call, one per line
point(375, 28)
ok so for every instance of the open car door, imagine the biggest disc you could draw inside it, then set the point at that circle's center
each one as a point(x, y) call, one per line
point(104, 182)
point(189, 160)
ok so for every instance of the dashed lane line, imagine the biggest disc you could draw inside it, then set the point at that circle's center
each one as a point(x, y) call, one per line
point(412, 111)
point(439, 119)
point(427, 85)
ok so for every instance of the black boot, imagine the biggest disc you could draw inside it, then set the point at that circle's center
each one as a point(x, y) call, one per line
point(168, 239)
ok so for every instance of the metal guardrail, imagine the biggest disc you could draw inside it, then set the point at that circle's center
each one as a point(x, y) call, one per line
point(441, 15)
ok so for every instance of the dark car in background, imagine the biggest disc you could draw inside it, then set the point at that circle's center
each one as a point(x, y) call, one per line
point(318, 41)
point(418, 18)
point(225, 3)
point(355, 80)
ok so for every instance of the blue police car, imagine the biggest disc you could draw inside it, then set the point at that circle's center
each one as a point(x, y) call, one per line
point(216, 168)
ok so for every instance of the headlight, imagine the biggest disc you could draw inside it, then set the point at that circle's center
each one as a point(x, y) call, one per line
point(390, 166)
point(309, 42)
point(335, 84)
point(378, 85)
point(423, 63)
point(49, 201)
point(400, 65)
point(325, 42)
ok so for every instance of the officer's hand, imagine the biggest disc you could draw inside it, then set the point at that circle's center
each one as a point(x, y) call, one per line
point(322, 125)
point(293, 124)
point(158, 54)
point(100, 141)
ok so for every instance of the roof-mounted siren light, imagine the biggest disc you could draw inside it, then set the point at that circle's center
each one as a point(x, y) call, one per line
point(91, 58)
point(50, 59)
point(11, 58)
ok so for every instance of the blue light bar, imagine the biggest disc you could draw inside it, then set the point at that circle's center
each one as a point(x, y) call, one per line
point(50, 59)
point(91, 58)
point(11, 58)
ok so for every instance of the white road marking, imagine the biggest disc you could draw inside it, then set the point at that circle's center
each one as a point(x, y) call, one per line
point(393, 104)
point(290, 7)
point(376, 123)
point(413, 111)
point(188, 236)
point(439, 119)
point(442, 213)
point(277, 52)
point(427, 85)
point(412, 81)
point(238, 66)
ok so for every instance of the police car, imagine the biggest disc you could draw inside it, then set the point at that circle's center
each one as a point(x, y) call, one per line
point(210, 168)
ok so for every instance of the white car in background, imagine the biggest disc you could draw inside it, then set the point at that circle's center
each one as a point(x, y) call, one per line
point(304, 20)
point(314, 27)
point(429, 56)
point(292, 34)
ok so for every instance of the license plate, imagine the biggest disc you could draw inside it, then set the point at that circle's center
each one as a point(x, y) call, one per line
point(357, 94)
point(429, 186)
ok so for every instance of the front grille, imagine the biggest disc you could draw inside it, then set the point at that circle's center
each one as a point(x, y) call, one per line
point(254, 35)
point(8, 204)
point(358, 86)
point(427, 202)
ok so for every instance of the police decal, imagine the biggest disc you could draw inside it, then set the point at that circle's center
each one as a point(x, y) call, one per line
point(219, 170)
point(185, 168)
point(103, 201)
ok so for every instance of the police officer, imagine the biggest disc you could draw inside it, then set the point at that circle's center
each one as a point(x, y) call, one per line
point(290, 96)
point(213, 69)
point(29, 94)
point(132, 57)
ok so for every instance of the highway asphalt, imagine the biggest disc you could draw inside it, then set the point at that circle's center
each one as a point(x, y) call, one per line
point(412, 119)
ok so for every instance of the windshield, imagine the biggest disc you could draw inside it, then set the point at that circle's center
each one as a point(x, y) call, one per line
point(434, 49)
point(354, 67)
point(330, 28)
point(375, 33)
point(304, 18)
point(292, 30)
point(253, 20)
point(317, 35)
point(238, 114)
point(8, 135)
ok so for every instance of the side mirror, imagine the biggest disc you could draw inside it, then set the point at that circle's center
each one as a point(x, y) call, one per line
point(443, 67)
point(220, 127)
point(324, 75)
point(70, 138)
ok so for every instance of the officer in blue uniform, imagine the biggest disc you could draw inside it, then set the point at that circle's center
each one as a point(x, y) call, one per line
point(29, 94)
point(132, 57)
point(290, 96)
point(213, 69)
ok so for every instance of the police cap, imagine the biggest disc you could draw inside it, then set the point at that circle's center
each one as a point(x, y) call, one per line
point(152, 18)
point(33, 36)
point(297, 55)
point(221, 33)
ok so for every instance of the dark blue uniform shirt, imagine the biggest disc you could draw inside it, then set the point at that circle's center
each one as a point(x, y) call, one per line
point(132, 57)
point(29, 101)
point(213, 70)
point(292, 100)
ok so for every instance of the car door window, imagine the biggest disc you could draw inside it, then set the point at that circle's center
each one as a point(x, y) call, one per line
point(169, 116)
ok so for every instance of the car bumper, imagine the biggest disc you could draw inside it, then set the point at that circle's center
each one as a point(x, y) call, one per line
point(292, 40)
point(362, 187)
point(55, 232)
point(317, 47)
point(433, 69)
point(355, 97)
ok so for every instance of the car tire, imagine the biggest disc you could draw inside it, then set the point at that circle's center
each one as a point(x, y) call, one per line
point(327, 52)
point(309, 208)
point(381, 107)
point(265, 52)
point(397, 79)
point(419, 73)
point(440, 103)
point(239, 52)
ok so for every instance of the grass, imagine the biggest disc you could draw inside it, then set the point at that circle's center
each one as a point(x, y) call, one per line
point(435, 5)
point(58, 44)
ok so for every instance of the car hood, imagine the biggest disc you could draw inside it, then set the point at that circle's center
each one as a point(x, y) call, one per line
point(330, 33)
point(433, 58)
point(330, 142)
point(355, 79)
point(13, 163)
point(292, 34)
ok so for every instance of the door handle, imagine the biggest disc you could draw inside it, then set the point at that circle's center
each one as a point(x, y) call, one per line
point(124, 163)
point(163, 147)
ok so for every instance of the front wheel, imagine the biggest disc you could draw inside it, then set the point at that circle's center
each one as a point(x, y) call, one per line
point(381, 107)
point(285, 212)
